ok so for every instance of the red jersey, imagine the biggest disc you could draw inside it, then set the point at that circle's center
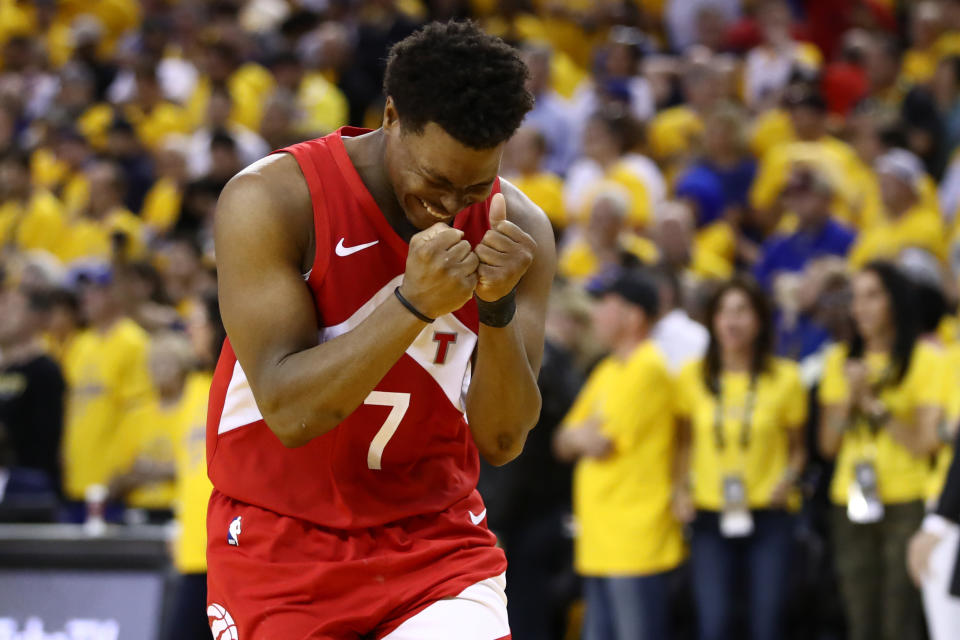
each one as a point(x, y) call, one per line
point(407, 450)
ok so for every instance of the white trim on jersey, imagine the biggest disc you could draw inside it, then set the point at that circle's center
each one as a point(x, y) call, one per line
point(479, 612)
point(453, 374)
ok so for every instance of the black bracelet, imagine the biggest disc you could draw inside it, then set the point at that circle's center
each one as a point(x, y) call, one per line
point(412, 309)
point(498, 313)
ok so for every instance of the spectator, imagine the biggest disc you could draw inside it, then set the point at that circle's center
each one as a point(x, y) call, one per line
point(31, 390)
point(105, 229)
point(770, 65)
point(945, 88)
point(187, 615)
point(741, 422)
point(62, 323)
point(137, 167)
point(920, 60)
point(161, 204)
point(808, 195)
point(679, 338)
point(606, 243)
point(524, 161)
point(250, 145)
point(627, 541)
point(907, 223)
point(725, 155)
point(550, 114)
point(321, 105)
point(106, 371)
point(881, 403)
point(152, 116)
point(30, 217)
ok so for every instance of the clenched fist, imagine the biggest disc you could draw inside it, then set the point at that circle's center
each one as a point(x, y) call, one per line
point(441, 271)
point(505, 254)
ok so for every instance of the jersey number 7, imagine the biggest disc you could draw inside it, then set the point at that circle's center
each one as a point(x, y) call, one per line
point(398, 403)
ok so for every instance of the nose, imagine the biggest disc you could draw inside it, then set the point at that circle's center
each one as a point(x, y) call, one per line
point(452, 203)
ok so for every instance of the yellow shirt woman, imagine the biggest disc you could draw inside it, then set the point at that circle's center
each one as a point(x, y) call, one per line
point(192, 485)
point(622, 502)
point(766, 411)
point(901, 476)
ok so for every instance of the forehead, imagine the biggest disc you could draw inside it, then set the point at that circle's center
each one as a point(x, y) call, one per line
point(437, 153)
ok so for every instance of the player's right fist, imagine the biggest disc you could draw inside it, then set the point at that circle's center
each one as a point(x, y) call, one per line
point(441, 271)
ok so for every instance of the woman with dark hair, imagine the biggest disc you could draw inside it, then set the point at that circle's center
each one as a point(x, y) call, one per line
point(882, 397)
point(741, 417)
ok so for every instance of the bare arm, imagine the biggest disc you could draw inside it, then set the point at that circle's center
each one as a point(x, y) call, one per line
point(919, 438)
point(304, 389)
point(503, 402)
point(834, 419)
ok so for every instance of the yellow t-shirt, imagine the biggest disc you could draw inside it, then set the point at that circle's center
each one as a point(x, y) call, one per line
point(834, 158)
point(901, 476)
point(779, 405)
point(918, 227)
point(107, 377)
point(323, 105)
point(622, 504)
point(951, 411)
point(38, 225)
point(579, 262)
point(918, 65)
point(94, 124)
point(770, 129)
point(161, 121)
point(88, 238)
point(193, 486)
point(148, 432)
point(546, 191)
point(161, 206)
point(249, 87)
point(673, 131)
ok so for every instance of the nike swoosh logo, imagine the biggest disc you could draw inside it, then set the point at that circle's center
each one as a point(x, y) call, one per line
point(478, 518)
point(343, 251)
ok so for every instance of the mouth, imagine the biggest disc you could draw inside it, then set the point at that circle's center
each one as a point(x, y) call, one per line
point(442, 217)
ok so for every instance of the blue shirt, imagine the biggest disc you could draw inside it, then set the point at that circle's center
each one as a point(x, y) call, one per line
point(792, 253)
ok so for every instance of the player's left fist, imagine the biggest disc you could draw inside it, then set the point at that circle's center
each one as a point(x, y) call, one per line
point(505, 252)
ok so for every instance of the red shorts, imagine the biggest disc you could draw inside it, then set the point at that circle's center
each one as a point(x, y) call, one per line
point(291, 579)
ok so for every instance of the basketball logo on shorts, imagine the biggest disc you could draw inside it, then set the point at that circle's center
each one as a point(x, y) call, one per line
point(221, 623)
point(233, 533)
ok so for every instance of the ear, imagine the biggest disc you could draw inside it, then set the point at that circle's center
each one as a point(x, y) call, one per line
point(391, 119)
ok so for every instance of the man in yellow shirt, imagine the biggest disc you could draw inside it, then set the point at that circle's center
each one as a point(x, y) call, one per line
point(907, 222)
point(105, 367)
point(30, 218)
point(105, 228)
point(620, 433)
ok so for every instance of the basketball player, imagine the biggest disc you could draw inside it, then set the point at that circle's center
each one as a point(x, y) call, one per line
point(384, 295)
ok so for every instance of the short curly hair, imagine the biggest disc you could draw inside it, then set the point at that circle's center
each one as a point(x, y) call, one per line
point(468, 82)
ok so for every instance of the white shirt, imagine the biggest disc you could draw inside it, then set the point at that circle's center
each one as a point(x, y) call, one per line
point(680, 339)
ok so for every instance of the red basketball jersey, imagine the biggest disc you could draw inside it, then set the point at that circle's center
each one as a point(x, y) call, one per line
point(407, 450)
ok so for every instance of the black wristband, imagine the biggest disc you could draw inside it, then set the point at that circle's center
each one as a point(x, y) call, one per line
point(412, 309)
point(498, 313)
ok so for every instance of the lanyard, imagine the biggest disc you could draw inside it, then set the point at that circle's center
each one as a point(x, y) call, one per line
point(747, 422)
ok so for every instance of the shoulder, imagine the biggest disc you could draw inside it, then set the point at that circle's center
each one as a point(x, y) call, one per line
point(267, 200)
point(786, 371)
point(835, 356)
point(130, 333)
point(690, 373)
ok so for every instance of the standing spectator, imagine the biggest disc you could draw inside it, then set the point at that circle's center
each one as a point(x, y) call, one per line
point(808, 195)
point(680, 338)
point(627, 540)
point(550, 114)
point(106, 371)
point(30, 217)
point(250, 146)
point(31, 389)
point(741, 419)
point(524, 162)
point(881, 401)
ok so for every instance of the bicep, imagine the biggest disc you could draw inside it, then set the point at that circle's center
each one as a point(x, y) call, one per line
point(267, 308)
point(533, 291)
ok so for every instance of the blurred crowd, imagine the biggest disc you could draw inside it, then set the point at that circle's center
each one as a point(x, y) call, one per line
point(750, 386)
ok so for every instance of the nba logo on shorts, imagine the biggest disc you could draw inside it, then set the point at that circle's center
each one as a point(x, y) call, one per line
point(233, 533)
point(221, 623)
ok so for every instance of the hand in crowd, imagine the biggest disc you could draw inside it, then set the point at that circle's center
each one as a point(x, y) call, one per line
point(919, 550)
point(681, 504)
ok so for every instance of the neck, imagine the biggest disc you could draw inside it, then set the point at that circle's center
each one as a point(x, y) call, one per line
point(881, 342)
point(104, 323)
point(171, 395)
point(736, 359)
point(627, 345)
point(367, 153)
point(20, 351)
